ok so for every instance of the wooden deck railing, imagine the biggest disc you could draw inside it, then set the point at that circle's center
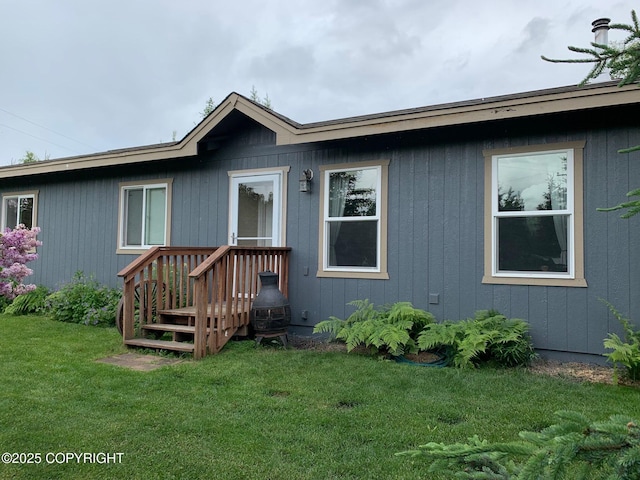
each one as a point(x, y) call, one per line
point(225, 284)
point(220, 282)
point(159, 279)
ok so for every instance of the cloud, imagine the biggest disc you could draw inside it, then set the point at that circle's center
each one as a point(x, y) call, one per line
point(535, 34)
point(293, 62)
point(122, 73)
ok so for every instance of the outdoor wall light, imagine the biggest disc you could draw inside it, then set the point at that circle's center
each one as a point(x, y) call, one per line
point(305, 180)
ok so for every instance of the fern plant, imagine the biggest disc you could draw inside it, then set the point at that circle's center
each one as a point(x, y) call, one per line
point(574, 447)
point(389, 329)
point(625, 352)
point(489, 336)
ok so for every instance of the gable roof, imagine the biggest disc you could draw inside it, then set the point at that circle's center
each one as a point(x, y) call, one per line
point(288, 132)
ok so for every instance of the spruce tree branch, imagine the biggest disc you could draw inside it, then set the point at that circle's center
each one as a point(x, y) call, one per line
point(630, 149)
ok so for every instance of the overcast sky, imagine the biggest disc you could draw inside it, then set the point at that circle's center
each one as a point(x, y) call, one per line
point(84, 76)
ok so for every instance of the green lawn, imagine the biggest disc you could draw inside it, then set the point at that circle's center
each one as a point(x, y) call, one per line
point(251, 413)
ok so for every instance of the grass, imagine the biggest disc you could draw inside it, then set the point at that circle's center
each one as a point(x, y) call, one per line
point(250, 413)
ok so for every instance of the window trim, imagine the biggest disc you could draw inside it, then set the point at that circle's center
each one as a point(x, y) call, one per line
point(380, 272)
point(575, 277)
point(167, 183)
point(25, 194)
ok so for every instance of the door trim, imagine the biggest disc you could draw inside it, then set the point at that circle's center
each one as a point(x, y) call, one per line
point(283, 173)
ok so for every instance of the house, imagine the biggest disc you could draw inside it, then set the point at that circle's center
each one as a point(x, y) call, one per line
point(481, 204)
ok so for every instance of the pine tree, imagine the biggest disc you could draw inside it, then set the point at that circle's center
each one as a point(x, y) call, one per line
point(265, 102)
point(209, 107)
point(572, 448)
point(623, 63)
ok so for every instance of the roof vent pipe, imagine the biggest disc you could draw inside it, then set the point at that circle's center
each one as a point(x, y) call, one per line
point(601, 29)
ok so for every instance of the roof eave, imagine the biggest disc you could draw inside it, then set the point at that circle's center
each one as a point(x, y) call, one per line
point(497, 108)
point(186, 147)
point(531, 104)
point(119, 157)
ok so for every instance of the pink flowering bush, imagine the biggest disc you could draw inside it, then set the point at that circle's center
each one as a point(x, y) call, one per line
point(17, 247)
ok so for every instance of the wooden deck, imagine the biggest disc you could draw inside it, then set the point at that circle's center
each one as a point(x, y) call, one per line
point(200, 296)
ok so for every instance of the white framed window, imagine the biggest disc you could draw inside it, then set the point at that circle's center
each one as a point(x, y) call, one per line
point(19, 208)
point(144, 216)
point(353, 233)
point(535, 216)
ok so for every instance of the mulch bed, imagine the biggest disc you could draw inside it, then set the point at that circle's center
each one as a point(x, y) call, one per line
point(423, 357)
point(582, 372)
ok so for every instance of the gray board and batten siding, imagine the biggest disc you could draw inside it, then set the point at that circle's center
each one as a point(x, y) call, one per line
point(435, 221)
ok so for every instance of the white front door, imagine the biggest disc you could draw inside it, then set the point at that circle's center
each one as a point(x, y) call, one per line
point(255, 212)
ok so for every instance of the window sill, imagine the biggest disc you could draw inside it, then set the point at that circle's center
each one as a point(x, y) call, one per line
point(543, 282)
point(132, 251)
point(343, 274)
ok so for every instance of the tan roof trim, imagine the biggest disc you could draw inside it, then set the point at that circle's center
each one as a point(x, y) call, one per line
point(186, 147)
point(288, 132)
point(251, 109)
point(119, 157)
point(495, 108)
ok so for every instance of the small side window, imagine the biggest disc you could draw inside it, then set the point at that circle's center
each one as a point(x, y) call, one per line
point(19, 208)
point(144, 215)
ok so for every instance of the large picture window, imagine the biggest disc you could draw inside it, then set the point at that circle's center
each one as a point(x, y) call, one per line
point(353, 231)
point(144, 215)
point(19, 208)
point(535, 232)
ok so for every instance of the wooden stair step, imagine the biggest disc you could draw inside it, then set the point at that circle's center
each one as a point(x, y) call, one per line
point(217, 310)
point(171, 327)
point(160, 344)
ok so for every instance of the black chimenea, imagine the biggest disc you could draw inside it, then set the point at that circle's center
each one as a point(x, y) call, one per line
point(270, 313)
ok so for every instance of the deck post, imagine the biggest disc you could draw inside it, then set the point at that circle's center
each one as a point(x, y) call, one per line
point(200, 334)
point(128, 331)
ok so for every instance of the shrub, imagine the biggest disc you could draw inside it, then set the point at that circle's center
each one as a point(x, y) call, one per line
point(627, 352)
point(29, 303)
point(84, 300)
point(17, 248)
point(489, 337)
point(4, 303)
point(389, 329)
